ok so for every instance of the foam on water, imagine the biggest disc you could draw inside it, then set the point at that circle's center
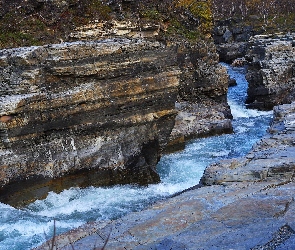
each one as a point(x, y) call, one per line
point(22, 229)
point(241, 111)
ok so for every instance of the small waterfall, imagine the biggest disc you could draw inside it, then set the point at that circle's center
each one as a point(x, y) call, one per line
point(28, 227)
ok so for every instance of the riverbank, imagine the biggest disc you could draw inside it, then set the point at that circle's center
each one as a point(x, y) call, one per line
point(235, 213)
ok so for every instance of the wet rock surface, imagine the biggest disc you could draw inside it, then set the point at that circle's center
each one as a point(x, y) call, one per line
point(236, 216)
point(195, 120)
point(252, 207)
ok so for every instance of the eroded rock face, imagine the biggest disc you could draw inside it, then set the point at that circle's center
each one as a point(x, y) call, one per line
point(271, 72)
point(202, 103)
point(231, 39)
point(105, 108)
point(202, 99)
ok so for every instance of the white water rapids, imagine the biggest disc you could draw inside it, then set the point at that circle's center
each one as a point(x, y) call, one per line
point(22, 229)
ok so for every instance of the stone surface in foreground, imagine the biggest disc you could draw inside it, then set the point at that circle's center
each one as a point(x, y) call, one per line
point(272, 158)
point(237, 216)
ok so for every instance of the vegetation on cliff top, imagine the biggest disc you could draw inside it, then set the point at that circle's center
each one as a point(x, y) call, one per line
point(36, 22)
point(31, 22)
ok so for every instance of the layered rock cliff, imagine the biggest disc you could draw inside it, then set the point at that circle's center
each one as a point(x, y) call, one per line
point(202, 97)
point(202, 102)
point(269, 60)
point(101, 111)
point(103, 108)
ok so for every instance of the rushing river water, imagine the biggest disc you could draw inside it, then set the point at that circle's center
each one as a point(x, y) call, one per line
point(25, 228)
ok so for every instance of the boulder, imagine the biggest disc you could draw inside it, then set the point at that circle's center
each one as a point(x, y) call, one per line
point(228, 52)
point(231, 38)
point(232, 82)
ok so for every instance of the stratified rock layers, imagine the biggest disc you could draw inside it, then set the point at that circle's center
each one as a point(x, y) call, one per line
point(202, 103)
point(106, 106)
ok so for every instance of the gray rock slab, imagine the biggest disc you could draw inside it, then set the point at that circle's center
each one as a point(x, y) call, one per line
point(236, 216)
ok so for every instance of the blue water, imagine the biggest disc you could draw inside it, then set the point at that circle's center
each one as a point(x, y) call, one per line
point(25, 228)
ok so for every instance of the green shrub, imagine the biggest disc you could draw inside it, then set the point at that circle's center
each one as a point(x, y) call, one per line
point(202, 10)
point(16, 39)
point(152, 14)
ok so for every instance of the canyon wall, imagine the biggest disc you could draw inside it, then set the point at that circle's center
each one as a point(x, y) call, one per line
point(104, 109)
point(202, 101)
point(269, 60)
point(101, 113)
point(136, 80)
point(202, 93)
point(270, 74)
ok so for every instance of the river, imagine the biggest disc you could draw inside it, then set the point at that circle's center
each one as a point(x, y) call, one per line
point(22, 229)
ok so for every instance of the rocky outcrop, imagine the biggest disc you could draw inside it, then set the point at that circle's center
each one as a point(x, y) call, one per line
point(231, 39)
point(202, 99)
point(202, 102)
point(269, 60)
point(86, 106)
point(229, 31)
point(238, 216)
point(271, 159)
point(196, 120)
point(126, 28)
point(271, 71)
point(252, 207)
point(101, 111)
point(228, 52)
